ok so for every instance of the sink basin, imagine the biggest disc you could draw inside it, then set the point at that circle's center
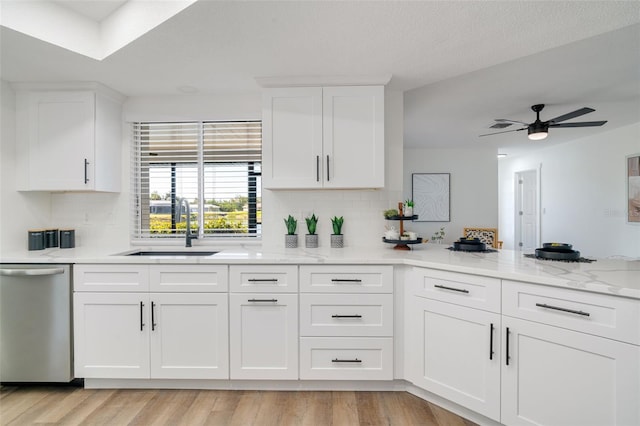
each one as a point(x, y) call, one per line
point(173, 253)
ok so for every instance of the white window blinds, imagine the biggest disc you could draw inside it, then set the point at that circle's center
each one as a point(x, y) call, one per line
point(213, 166)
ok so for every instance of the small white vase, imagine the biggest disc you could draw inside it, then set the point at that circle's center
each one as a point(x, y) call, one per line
point(408, 211)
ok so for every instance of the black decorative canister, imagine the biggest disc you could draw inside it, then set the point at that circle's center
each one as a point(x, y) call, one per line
point(51, 238)
point(67, 238)
point(36, 239)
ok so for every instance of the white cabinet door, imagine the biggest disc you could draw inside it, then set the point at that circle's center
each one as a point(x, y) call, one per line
point(353, 136)
point(68, 140)
point(562, 377)
point(263, 336)
point(292, 138)
point(454, 353)
point(111, 335)
point(330, 137)
point(189, 336)
point(59, 131)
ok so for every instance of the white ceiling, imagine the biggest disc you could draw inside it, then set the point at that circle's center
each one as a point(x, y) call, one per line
point(469, 61)
point(96, 10)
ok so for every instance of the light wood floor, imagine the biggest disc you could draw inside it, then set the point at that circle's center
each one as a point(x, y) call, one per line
point(77, 406)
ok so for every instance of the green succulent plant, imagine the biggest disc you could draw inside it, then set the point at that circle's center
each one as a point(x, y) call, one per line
point(409, 203)
point(390, 213)
point(291, 224)
point(337, 222)
point(312, 222)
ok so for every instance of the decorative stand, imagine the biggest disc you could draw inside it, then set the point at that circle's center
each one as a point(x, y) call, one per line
point(402, 244)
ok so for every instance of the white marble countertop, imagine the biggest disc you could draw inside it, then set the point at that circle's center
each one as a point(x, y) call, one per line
point(608, 276)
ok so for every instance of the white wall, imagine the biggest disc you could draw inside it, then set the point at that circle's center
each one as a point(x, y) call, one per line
point(19, 211)
point(583, 193)
point(474, 187)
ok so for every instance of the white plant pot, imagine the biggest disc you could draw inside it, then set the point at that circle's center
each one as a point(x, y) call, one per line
point(408, 211)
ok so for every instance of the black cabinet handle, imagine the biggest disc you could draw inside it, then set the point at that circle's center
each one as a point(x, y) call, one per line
point(263, 300)
point(345, 280)
point(346, 316)
point(141, 318)
point(491, 342)
point(556, 308)
point(153, 317)
point(346, 360)
point(328, 178)
point(317, 168)
point(86, 172)
point(263, 280)
point(461, 290)
point(507, 345)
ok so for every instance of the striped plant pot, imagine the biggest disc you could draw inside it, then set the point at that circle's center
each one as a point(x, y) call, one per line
point(311, 241)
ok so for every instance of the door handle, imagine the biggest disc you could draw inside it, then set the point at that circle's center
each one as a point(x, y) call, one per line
point(153, 317)
point(141, 317)
point(31, 272)
point(317, 168)
point(86, 172)
point(460, 290)
point(263, 280)
point(507, 345)
point(263, 300)
point(328, 178)
point(346, 316)
point(491, 342)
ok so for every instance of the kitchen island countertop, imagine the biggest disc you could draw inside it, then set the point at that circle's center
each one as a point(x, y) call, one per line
point(619, 277)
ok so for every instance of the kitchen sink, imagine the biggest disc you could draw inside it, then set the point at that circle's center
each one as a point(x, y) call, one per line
point(173, 253)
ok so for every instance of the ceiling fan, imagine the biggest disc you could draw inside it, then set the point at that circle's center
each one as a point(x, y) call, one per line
point(539, 130)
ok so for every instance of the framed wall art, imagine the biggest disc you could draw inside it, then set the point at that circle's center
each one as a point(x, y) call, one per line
point(431, 196)
point(633, 188)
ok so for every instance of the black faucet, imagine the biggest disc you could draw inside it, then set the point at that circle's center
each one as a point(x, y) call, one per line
point(188, 235)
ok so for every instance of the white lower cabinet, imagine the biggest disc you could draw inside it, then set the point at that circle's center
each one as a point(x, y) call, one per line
point(111, 335)
point(346, 358)
point(455, 353)
point(157, 335)
point(562, 377)
point(263, 336)
point(189, 336)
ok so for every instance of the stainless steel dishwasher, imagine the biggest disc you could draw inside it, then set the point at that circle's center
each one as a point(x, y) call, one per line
point(35, 323)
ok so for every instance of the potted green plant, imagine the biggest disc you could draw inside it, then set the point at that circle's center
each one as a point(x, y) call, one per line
point(408, 207)
point(291, 238)
point(337, 239)
point(311, 239)
point(391, 213)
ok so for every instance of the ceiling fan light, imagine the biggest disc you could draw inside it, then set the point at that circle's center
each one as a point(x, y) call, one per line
point(538, 136)
point(537, 131)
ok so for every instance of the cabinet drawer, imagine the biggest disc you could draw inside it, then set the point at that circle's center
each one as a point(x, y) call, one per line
point(188, 278)
point(346, 314)
point(267, 278)
point(467, 290)
point(346, 279)
point(111, 278)
point(345, 358)
point(613, 317)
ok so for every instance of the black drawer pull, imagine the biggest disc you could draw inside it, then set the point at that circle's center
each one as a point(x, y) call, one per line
point(263, 280)
point(345, 280)
point(461, 290)
point(141, 317)
point(556, 308)
point(346, 316)
point(346, 360)
point(263, 300)
point(507, 357)
point(153, 316)
point(491, 342)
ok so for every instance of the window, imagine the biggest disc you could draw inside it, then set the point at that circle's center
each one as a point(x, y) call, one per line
point(211, 169)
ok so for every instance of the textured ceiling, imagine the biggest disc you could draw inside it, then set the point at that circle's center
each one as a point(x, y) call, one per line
point(453, 51)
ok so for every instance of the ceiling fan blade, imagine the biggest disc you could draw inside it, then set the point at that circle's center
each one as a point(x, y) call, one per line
point(501, 120)
point(570, 115)
point(579, 124)
point(506, 131)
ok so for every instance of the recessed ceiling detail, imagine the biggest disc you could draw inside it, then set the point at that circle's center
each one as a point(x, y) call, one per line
point(95, 29)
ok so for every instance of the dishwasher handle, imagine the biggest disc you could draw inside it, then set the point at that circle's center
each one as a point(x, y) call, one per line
point(31, 272)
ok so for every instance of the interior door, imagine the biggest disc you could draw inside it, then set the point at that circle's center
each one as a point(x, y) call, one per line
point(526, 223)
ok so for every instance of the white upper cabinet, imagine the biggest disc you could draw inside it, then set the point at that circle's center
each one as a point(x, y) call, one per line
point(323, 137)
point(68, 140)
